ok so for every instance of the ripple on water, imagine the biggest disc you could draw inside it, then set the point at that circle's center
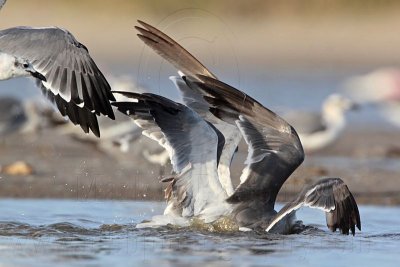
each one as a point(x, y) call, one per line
point(107, 236)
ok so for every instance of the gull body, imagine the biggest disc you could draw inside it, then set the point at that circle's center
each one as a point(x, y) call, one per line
point(195, 145)
point(319, 130)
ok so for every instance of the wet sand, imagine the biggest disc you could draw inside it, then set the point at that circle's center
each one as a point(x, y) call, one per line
point(369, 162)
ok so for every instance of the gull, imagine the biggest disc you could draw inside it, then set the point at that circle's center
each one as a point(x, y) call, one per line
point(318, 130)
point(188, 65)
point(192, 145)
point(274, 152)
point(63, 69)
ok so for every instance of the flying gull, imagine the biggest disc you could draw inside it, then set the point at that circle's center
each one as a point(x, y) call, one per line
point(275, 151)
point(318, 130)
point(63, 69)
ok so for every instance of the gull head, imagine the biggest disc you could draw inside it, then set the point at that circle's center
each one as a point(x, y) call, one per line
point(337, 103)
point(13, 67)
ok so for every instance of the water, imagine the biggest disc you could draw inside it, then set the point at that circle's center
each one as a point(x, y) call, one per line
point(103, 233)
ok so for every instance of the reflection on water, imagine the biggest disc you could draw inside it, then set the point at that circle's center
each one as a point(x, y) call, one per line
point(101, 233)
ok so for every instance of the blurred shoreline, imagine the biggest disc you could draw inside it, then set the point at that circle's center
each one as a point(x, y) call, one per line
point(64, 168)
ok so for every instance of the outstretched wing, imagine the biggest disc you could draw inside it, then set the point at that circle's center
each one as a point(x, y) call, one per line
point(71, 73)
point(170, 50)
point(193, 98)
point(188, 65)
point(190, 142)
point(332, 196)
point(275, 150)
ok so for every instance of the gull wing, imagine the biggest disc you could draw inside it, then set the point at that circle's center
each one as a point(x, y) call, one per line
point(332, 196)
point(274, 148)
point(188, 65)
point(72, 75)
point(191, 144)
point(193, 98)
point(170, 50)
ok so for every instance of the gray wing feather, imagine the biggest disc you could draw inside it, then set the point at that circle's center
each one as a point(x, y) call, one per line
point(275, 150)
point(192, 97)
point(332, 196)
point(190, 142)
point(70, 71)
point(179, 57)
point(170, 50)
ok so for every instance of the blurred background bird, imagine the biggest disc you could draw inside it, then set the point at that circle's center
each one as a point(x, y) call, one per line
point(380, 89)
point(319, 130)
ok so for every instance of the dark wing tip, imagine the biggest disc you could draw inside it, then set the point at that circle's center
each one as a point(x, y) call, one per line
point(142, 30)
point(345, 216)
point(144, 24)
point(146, 39)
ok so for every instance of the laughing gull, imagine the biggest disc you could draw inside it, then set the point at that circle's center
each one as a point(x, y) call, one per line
point(192, 145)
point(318, 130)
point(275, 151)
point(63, 69)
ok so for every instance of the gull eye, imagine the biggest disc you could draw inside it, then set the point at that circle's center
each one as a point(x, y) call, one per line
point(25, 65)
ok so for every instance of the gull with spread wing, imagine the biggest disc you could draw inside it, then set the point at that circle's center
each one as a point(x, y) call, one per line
point(275, 150)
point(188, 65)
point(63, 69)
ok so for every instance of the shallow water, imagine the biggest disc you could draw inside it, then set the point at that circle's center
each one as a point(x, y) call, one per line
point(103, 233)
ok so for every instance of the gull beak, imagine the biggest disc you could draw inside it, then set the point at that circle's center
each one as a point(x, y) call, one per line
point(29, 68)
point(39, 76)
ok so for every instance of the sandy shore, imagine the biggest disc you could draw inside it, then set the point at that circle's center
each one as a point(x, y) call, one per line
point(65, 168)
